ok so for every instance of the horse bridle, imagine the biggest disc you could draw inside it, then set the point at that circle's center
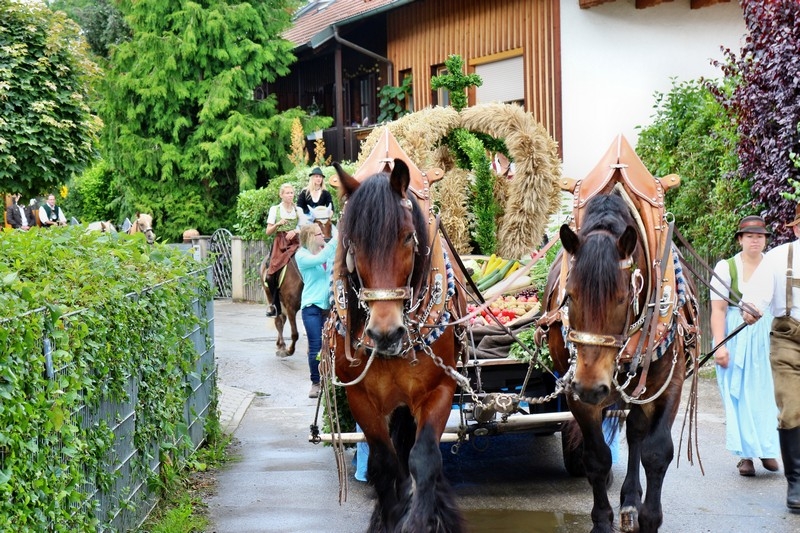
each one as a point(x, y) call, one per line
point(610, 340)
point(412, 297)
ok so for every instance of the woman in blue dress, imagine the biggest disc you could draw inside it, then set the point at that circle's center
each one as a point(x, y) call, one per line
point(743, 368)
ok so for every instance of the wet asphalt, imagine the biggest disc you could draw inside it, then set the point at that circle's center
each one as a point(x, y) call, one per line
point(279, 482)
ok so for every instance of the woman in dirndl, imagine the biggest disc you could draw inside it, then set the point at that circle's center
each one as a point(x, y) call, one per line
point(743, 369)
point(284, 221)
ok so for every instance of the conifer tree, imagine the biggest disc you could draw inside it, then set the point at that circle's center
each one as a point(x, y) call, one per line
point(184, 133)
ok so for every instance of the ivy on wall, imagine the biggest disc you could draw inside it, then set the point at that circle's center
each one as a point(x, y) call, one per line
point(111, 308)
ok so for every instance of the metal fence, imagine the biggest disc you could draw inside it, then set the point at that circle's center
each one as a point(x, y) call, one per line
point(128, 501)
point(702, 300)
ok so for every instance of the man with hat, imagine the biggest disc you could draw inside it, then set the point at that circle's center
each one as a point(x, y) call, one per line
point(743, 369)
point(775, 287)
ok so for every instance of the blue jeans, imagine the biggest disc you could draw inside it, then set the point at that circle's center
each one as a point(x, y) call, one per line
point(313, 320)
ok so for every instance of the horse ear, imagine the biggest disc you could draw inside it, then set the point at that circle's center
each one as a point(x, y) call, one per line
point(347, 183)
point(627, 242)
point(569, 239)
point(400, 178)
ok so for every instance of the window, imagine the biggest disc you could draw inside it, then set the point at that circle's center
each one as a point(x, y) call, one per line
point(408, 80)
point(503, 81)
point(441, 96)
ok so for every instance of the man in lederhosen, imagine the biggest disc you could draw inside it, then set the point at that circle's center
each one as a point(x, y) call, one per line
point(50, 214)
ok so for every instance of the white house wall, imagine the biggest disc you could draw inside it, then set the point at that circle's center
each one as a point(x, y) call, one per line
point(615, 57)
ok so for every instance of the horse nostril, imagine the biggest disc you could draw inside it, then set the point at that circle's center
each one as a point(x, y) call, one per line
point(590, 395)
point(386, 339)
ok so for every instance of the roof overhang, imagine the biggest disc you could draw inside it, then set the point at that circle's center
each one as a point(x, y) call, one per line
point(327, 33)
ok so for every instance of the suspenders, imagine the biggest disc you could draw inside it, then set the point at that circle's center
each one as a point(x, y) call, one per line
point(791, 281)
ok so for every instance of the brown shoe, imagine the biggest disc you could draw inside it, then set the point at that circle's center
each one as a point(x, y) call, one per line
point(746, 467)
point(770, 464)
point(314, 392)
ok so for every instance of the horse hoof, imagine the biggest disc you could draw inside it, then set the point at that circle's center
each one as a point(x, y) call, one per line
point(628, 520)
point(282, 353)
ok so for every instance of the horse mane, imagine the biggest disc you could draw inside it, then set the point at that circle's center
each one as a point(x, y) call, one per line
point(370, 221)
point(595, 272)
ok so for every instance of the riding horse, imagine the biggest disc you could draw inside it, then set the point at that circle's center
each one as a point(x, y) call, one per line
point(390, 343)
point(143, 224)
point(618, 333)
point(290, 290)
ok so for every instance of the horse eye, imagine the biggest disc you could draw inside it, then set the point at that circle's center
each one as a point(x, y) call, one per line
point(409, 238)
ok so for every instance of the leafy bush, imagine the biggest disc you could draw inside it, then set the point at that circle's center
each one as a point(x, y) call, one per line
point(47, 131)
point(115, 310)
point(766, 104)
point(89, 193)
point(391, 100)
point(692, 136)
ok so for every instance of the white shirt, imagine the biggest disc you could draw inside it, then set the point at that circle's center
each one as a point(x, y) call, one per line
point(277, 212)
point(767, 286)
point(43, 215)
point(722, 270)
point(25, 221)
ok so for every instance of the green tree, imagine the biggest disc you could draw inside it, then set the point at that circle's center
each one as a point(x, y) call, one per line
point(103, 24)
point(47, 131)
point(692, 136)
point(184, 133)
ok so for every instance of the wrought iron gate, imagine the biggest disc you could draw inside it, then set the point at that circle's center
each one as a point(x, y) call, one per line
point(220, 247)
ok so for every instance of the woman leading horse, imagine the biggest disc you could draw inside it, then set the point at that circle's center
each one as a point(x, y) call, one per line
point(393, 286)
point(614, 342)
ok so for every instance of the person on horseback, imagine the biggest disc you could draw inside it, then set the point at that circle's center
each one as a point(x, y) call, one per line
point(284, 220)
point(314, 199)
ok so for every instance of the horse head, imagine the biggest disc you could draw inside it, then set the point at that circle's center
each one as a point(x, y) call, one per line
point(102, 227)
point(384, 241)
point(144, 224)
point(326, 225)
point(602, 293)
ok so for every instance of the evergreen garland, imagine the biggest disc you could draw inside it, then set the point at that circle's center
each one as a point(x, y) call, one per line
point(470, 154)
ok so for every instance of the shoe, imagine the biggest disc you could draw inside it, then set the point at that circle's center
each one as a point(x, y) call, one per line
point(746, 467)
point(770, 464)
point(314, 392)
point(271, 311)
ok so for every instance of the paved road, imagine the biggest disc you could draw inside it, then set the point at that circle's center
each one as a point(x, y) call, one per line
point(281, 483)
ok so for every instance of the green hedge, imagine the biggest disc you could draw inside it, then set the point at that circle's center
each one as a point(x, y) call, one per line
point(115, 311)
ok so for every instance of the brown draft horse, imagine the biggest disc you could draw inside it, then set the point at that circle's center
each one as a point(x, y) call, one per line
point(290, 291)
point(601, 307)
point(143, 224)
point(392, 281)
